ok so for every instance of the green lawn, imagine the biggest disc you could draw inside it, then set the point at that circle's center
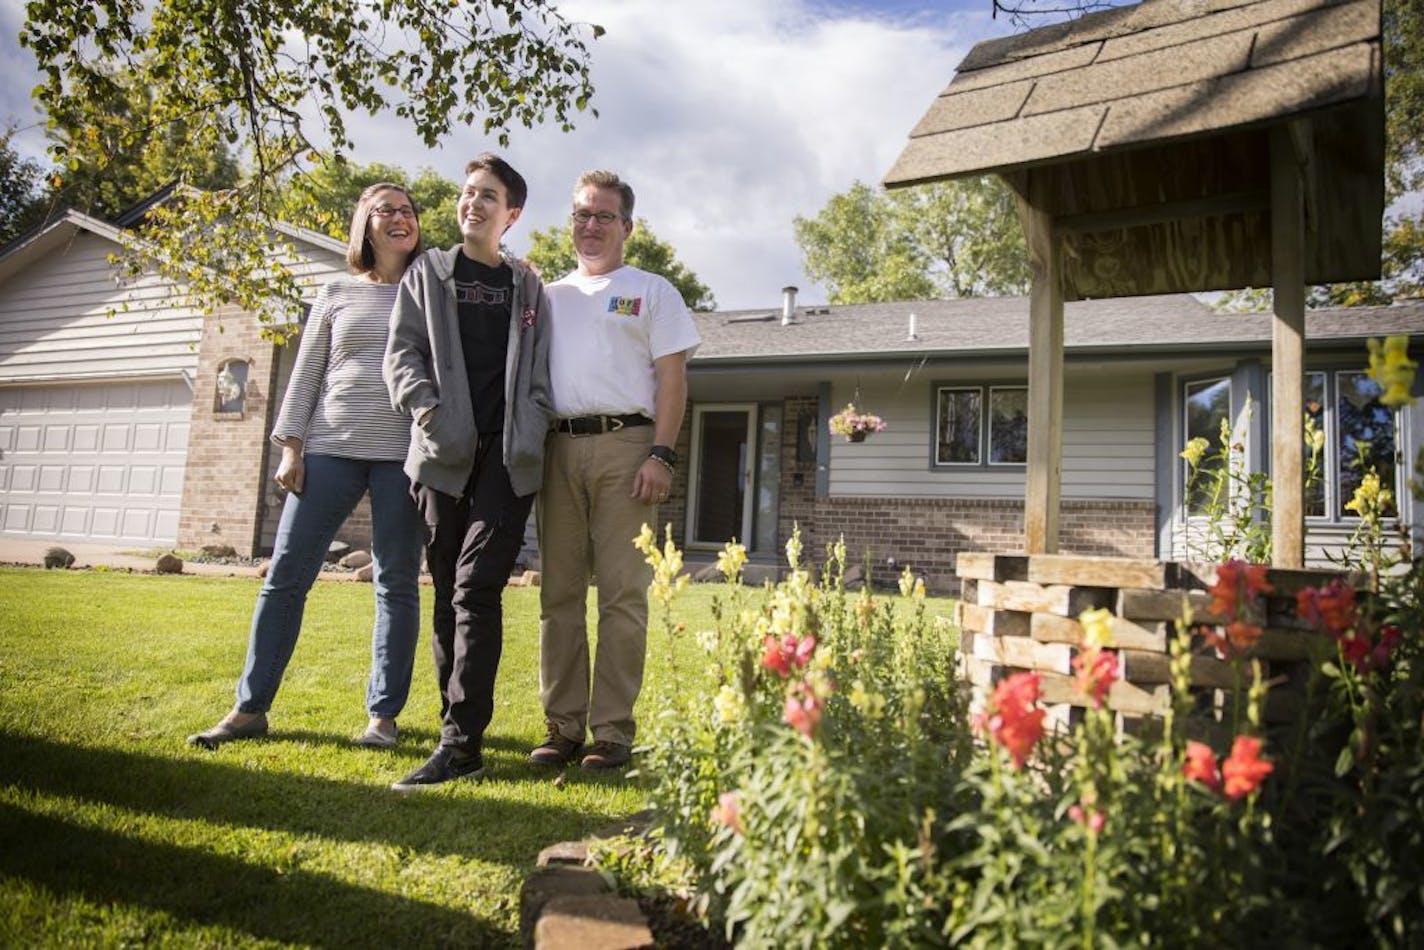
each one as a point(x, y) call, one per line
point(114, 832)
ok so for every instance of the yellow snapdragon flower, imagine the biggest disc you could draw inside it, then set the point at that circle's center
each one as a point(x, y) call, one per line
point(1392, 369)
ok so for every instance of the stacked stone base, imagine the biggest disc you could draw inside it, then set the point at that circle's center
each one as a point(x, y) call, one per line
point(1020, 612)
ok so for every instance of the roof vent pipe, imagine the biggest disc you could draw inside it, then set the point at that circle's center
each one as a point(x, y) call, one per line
point(912, 335)
point(788, 306)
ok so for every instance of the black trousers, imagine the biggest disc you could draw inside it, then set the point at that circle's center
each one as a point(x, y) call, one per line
point(472, 543)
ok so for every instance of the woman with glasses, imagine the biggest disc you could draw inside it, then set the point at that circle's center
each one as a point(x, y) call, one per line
point(340, 438)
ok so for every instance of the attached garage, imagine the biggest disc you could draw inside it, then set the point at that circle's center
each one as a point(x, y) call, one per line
point(102, 461)
point(111, 428)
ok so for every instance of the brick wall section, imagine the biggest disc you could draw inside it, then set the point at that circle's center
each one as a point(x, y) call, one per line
point(227, 483)
point(928, 533)
point(227, 456)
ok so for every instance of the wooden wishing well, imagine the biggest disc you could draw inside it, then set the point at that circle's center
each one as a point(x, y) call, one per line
point(1020, 612)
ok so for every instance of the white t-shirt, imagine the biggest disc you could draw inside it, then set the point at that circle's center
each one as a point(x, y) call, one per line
point(604, 334)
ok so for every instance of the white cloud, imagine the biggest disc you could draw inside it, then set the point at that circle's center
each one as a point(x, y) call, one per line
point(729, 118)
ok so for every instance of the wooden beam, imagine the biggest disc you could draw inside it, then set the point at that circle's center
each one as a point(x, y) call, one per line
point(1288, 166)
point(1045, 371)
point(1165, 213)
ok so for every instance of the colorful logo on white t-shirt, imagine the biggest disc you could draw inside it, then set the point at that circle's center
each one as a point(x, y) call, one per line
point(625, 306)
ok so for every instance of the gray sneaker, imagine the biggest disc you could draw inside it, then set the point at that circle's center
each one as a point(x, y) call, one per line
point(225, 732)
point(444, 765)
point(557, 751)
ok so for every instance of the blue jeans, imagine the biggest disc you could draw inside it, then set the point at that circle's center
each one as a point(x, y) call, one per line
point(309, 523)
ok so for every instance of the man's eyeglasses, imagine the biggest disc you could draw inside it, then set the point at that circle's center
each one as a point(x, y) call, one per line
point(386, 211)
point(602, 217)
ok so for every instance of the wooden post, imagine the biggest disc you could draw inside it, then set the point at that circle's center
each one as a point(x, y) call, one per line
point(1288, 156)
point(1045, 372)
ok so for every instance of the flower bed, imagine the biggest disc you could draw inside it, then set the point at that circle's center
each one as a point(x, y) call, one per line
point(838, 784)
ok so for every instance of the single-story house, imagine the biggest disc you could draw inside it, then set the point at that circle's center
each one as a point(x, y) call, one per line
point(1143, 376)
point(126, 417)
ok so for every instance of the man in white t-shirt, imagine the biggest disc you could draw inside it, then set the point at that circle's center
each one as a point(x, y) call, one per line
point(620, 339)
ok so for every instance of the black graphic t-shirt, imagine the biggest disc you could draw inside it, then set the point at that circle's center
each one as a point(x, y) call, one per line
point(484, 295)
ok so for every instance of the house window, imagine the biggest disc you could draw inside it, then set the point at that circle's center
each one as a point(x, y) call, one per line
point(1008, 425)
point(1365, 438)
point(1357, 433)
point(1207, 408)
point(964, 417)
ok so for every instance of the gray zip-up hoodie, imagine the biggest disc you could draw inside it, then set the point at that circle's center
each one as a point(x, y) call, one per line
point(425, 366)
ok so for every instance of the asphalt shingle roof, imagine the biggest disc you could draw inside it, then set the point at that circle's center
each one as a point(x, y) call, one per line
point(999, 325)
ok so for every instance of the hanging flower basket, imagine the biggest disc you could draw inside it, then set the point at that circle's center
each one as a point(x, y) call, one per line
point(855, 425)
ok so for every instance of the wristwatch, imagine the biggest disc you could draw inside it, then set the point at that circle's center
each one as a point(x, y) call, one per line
point(664, 454)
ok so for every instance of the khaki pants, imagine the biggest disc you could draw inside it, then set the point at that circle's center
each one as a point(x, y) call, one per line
point(587, 522)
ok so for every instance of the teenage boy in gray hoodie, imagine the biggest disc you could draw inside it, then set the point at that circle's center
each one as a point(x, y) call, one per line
point(468, 359)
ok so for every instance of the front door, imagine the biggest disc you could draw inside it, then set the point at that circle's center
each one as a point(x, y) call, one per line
point(735, 470)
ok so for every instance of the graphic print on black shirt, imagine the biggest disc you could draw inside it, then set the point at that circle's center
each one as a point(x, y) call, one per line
point(484, 295)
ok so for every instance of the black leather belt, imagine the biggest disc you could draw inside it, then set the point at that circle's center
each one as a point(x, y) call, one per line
point(597, 425)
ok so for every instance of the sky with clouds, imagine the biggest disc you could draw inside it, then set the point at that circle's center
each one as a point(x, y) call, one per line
point(728, 117)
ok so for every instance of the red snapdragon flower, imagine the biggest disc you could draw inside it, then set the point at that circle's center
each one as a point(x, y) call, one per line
point(1244, 770)
point(1200, 765)
point(728, 812)
point(1012, 718)
point(1242, 635)
point(802, 711)
point(1389, 638)
point(1237, 581)
point(1096, 672)
point(1092, 819)
point(788, 653)
point(1331, 606)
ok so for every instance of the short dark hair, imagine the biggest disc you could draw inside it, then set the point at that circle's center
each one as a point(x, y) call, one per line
point(599, 178)
point(516, 191)
point(360, 256)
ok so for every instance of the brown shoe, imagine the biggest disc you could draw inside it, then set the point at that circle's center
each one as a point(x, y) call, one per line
point(608, 755)
point(557, 750)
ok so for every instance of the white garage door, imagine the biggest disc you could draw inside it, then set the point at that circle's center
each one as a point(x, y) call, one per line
point(100, 462)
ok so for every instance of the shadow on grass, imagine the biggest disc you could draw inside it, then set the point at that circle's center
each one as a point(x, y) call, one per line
point(202, 787)
point(289, 905)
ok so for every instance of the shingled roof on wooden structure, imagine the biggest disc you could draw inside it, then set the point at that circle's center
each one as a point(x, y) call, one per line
point(1177, 145)
point(1154, 120)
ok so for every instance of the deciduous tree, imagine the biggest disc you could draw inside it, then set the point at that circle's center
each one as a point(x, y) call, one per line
point(21, 189)
point(552, 252)
point(949, 239)
point(277, 80)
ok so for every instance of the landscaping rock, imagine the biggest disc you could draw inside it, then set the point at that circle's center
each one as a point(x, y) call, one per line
point(169, 563)
point(337, 551)
point(58, 557)
point(355, 560)
point(263, 568)
point(366, 573)
point(592, 923)
point(854, 577)
point(219, 550)
point(531, 578)
point(548, 883)
point(565, 852)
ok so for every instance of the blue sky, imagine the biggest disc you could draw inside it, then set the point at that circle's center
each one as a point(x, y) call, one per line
point(729, 117)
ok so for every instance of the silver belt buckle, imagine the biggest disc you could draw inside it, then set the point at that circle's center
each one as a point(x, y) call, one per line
point(612, 423)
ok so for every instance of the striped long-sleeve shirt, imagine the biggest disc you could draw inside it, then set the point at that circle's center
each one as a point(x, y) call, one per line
point(337, 402)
